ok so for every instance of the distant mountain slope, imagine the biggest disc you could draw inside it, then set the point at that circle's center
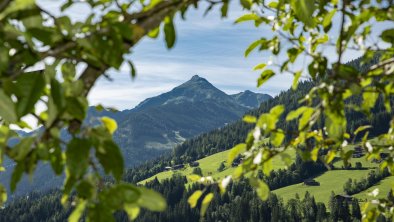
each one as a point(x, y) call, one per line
point(166, 120)
point(155, 126)
point(251, 99)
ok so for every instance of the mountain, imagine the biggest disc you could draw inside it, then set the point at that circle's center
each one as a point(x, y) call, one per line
point(251, 99)
point(154, 126)
point(159, 123)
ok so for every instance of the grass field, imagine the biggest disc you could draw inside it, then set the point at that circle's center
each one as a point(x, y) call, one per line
point(211, 163)
point(384, 187)
point(330, 181)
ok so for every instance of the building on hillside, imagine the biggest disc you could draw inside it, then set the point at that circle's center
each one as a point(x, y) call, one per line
point(194, 164)
point(237, 161)
point(311, 182)
point(167, 168)
point(358, 152)
point(178, 167)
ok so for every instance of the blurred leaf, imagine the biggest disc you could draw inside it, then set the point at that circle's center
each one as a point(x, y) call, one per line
point(110, 124)
point(169, 31)
point(247, 17)
point(262, 188)
point(249, 119)
point(30, 86)
point(235, 151)
point(7, 108)
point(77, 156)
point(78, 211)
point(361, 128)
point(132, 211)
point(110, 158)
point(388, 36)
point(253, 46)
point(205, 203)
point(304, 10)
point(20, 151)
point(259, 66)
point(151, 200)
point(264, 77)
point(193, 199)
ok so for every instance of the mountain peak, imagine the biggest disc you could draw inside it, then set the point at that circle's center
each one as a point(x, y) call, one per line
point(196, 77)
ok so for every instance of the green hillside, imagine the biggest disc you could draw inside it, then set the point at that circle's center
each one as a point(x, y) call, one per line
point(383, 186)
point(210, 164)
point(332, 180)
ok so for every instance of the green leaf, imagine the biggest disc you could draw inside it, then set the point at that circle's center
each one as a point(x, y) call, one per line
point(77, 156)
point(110, 124)
point(253, 46)
point(16, 175)
point(328, 19)
point(224, 8)
point(361, 128)
point(169, 31)
point(77, 212)
point(369, 100)
point(151, 200)
point(246, 3)
point(264, 77)
point(249, 119)
point(154, 33)
point(247, 17)
point(110, 157)
point(388, 36)
point(30, 87)
point(116, 196)
point(17, 5)
point(297, 76)
point(133, 70)
point(259, 66)
point(205, 203)
point(3, 195)
point(132, 211)
point(193, 199)
point(296, 113)
point(277, 138)
point(20, 151)
point(100, 213)
point(330, 156)
point(304, 10)
point(262, 188)
point(77, 107)
point(7, 108)
point(306, 118)
point(235, 151)
point(277, 110)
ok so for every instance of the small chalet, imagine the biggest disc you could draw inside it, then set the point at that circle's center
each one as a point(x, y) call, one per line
point(178, 167)
point(358, 152)
point(236, 162)
point(167, 168)
point(194, 164)
point(311, 182)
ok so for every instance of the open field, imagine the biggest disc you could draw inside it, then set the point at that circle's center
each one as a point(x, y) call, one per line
point(330, 181)
point(383, 186)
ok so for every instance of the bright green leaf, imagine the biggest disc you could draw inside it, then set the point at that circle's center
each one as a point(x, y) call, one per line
point(193, 199)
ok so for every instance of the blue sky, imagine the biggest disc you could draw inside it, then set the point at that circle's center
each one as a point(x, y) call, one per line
point(209, 46)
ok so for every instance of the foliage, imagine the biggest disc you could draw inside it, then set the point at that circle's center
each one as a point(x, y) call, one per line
point(301, 31)
point(31, 36)
point(48, 65)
